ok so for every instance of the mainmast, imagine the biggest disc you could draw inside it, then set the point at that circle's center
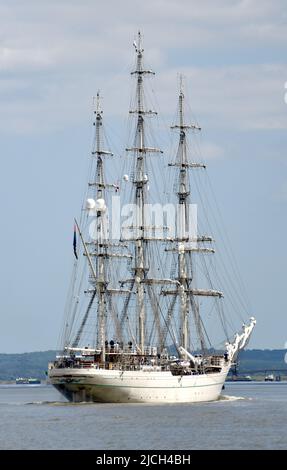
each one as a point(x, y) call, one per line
point(140, 197)
point(140, 150)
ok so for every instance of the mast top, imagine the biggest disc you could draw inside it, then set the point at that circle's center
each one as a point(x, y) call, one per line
point(181, 85)
point(181, 125)
point(98, 123)
point(97, 103)
point(98, 108)
point(138, 44)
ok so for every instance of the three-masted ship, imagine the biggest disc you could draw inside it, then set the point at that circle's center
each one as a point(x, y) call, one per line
point(134, 330)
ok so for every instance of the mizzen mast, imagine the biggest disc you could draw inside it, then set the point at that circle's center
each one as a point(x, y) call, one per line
point(183, 193)
point(185, 244)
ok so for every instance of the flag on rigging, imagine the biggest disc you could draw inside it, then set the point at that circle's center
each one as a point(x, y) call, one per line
point(75, 242)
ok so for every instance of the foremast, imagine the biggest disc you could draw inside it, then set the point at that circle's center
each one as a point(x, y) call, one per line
point(97, 257)
point(101, 241)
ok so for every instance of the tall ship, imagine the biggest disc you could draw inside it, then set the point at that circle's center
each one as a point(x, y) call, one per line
point(142, 305)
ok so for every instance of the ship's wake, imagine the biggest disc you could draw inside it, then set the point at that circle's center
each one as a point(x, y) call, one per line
point(231, 398)
point(222, 398)
point(61, 403)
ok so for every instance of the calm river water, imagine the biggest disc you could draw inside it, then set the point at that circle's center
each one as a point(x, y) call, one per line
point(249, 416)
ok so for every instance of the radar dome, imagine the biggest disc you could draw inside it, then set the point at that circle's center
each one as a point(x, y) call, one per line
point(90, 204)
point(100, 205)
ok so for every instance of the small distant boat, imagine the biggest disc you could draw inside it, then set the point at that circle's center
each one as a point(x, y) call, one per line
point(243, 378)
point(240, 378)
point(27, 381)
point(269, 378)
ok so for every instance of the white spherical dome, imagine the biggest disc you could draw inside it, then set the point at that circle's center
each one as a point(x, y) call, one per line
point(90, 204)
point(126, 177)
point(100, 205)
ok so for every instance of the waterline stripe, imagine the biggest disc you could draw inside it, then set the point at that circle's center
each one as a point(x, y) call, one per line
point(131, 386)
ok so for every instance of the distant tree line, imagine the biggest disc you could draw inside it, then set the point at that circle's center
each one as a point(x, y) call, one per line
point(35, 364)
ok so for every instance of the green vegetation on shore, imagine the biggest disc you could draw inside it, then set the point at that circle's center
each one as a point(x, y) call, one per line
point(34, 364)
point(262, 359)
point(258, 363)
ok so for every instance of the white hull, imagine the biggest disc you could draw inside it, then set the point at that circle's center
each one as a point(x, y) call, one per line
point(115, 386)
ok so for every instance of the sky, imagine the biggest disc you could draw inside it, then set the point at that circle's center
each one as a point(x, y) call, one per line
point(55, 55)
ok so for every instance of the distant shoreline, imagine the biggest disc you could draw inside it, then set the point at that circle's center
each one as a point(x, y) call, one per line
point(256, 363)
point(12, 382)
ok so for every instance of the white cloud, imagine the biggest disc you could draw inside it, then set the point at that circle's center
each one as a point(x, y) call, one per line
point(24, 59)
point(57, 54)
point(245, 97)
point(211, 151)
